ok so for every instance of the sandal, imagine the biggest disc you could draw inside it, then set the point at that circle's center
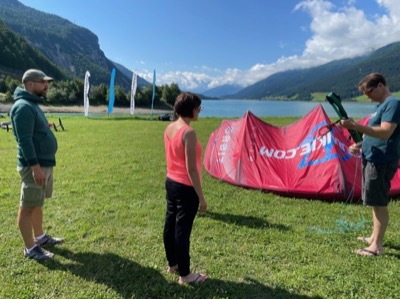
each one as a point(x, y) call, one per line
point(198, 278)
point(173, 269)
point(368, 252)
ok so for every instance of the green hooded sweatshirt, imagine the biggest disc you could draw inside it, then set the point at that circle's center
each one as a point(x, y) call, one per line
point(36, 142)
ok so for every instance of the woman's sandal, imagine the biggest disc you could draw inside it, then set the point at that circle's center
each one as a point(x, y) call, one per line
point(173, 269)
point(198, 278)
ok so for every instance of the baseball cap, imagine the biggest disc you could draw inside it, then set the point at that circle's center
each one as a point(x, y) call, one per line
point(35, 75)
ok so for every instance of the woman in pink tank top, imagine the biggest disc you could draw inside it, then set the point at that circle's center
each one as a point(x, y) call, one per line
point(183, 186)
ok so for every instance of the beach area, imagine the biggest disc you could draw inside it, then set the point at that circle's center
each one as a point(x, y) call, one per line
point(5, 108)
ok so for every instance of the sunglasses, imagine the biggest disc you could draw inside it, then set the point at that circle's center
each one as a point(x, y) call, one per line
point(369, 91)
point(40, 81)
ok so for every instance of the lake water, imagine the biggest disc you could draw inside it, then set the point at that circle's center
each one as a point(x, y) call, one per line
point(237, 108)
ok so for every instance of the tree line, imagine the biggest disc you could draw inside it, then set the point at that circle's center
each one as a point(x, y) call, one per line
point(70, 92)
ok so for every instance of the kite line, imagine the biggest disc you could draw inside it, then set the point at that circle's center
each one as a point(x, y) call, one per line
point(343, 226)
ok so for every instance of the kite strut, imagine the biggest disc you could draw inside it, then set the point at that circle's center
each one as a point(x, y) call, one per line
point(336, 103)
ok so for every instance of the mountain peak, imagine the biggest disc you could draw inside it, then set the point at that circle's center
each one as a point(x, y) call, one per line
point(12, 3)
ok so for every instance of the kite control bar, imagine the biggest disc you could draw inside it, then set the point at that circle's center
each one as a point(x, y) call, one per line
point(336, 103)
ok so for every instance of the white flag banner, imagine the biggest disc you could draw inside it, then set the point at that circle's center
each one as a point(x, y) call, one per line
point(133, 91)
point(86, 94)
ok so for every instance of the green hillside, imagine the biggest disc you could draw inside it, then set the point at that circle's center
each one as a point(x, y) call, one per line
point(16, 55)
point(73, 48)
point(341, 76)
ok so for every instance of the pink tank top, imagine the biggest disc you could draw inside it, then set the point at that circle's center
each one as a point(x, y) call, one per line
point(176, 158)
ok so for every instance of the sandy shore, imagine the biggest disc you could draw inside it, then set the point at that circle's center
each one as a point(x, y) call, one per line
point(5, 108)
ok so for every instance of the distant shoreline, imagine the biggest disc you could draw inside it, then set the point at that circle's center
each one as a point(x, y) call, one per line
point(5, 108)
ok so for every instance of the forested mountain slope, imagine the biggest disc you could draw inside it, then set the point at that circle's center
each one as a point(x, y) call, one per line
point(73, 48)
point(341, 76)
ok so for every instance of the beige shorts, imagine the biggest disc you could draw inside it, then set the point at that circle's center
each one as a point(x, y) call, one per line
point(33, 195)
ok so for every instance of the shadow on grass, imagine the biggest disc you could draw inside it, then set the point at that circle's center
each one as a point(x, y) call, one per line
point(128, 278)
point(393, 247)
point(248, 221)
point(131, 280)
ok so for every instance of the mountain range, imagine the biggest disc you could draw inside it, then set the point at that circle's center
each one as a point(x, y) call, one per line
point(222, 91)
point(32, 38)
point(340, 76)
point(72, 48)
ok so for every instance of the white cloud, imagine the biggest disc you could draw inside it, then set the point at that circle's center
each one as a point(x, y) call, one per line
point(346, 31)
point(185, 80)
point(337, 32)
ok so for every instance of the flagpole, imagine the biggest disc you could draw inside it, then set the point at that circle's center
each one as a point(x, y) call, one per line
point(86, 94)
point(154, 92)
point(111, 93)
point(133, 91)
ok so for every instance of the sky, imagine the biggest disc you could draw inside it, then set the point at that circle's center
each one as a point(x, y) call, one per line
point(204, 44)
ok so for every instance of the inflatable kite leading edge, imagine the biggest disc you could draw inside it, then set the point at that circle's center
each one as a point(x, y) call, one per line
point(302, 159)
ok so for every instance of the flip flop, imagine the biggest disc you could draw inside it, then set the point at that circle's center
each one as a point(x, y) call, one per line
point(367, 252)
point(199, 278)
point(173, 270)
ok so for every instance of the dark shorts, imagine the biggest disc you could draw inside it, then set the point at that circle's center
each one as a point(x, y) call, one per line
point(376, 183)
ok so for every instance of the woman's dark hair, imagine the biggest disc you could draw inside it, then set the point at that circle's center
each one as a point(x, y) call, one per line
point(185, 103)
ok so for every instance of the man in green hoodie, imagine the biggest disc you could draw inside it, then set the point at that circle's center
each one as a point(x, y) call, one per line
point(37, 147)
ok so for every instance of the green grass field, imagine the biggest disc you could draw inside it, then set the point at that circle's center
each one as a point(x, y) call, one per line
point(109, 205)
point(320, 97)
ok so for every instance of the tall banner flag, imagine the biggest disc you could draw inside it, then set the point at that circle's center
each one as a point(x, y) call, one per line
point(133, 91)
point(86, 94)
point(154, 93)
point(111, 94)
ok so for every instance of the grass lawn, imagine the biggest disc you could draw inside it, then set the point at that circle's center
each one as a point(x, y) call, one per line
point(320, 97)
point(109, 205)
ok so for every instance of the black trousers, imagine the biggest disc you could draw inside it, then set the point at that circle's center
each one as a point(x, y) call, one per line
point(182, 206)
